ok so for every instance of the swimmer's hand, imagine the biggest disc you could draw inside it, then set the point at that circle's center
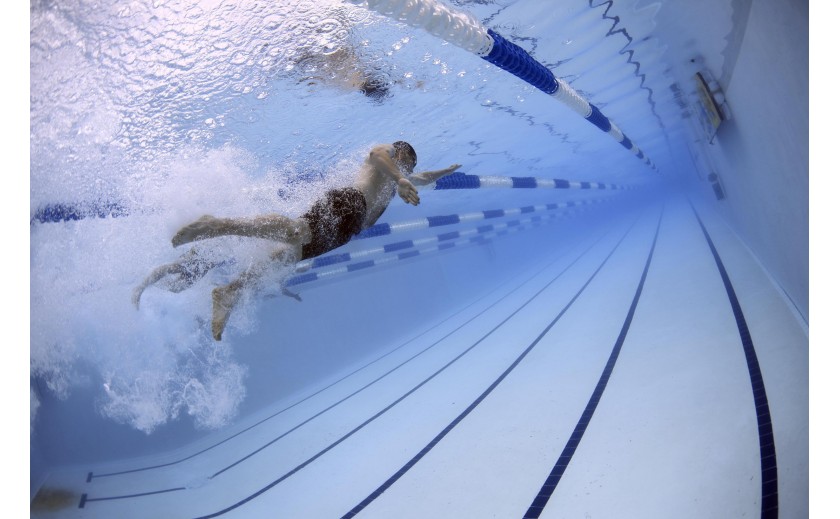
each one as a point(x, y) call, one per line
point(408, 192)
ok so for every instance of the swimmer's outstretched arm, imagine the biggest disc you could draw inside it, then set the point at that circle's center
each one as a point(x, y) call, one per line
point(427, 177)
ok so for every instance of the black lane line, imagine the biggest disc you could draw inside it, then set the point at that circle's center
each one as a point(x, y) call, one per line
point(395, 402)
point(91, 475)
point(767, 443)
point(553, 479)
point(417, 457)
point(85, 499)
point(464, 324)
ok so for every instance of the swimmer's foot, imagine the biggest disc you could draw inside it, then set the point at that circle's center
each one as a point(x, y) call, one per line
point(205, 227)
point(224, 299)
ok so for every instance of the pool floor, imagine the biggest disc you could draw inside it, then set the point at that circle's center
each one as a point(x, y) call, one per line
point(687, 397)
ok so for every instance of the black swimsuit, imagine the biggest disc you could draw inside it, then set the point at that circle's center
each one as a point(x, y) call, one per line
point(334, 220)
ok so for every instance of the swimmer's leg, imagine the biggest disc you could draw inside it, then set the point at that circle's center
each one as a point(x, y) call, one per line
point(271, 227)
point(184, 277)
point(225, 297)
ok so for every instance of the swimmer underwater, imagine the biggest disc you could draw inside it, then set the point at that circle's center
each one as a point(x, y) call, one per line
point(331, 222)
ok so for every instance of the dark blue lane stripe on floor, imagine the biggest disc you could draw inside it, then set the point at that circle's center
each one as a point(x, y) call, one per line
point(397, 401)
point(553, 479)
point(85, 499)
point(92, 476)
point(417, 457)
point(395, 368)
point(767, 444)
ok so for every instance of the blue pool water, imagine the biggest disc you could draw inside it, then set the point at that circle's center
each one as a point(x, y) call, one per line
point(585, 335)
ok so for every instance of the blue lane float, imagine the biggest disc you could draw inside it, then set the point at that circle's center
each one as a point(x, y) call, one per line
point(465, 31)
point(55, 213)
point(405, 249)
point(460, 180)
point(329, 260)
point(384, 229)
point(513, 58)
point(411, 249)
point(66, 212)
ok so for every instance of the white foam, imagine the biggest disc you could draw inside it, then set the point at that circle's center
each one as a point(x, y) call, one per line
point(158, 363)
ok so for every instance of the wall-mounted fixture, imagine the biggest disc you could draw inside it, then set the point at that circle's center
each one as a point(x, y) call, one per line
point(713, 109)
